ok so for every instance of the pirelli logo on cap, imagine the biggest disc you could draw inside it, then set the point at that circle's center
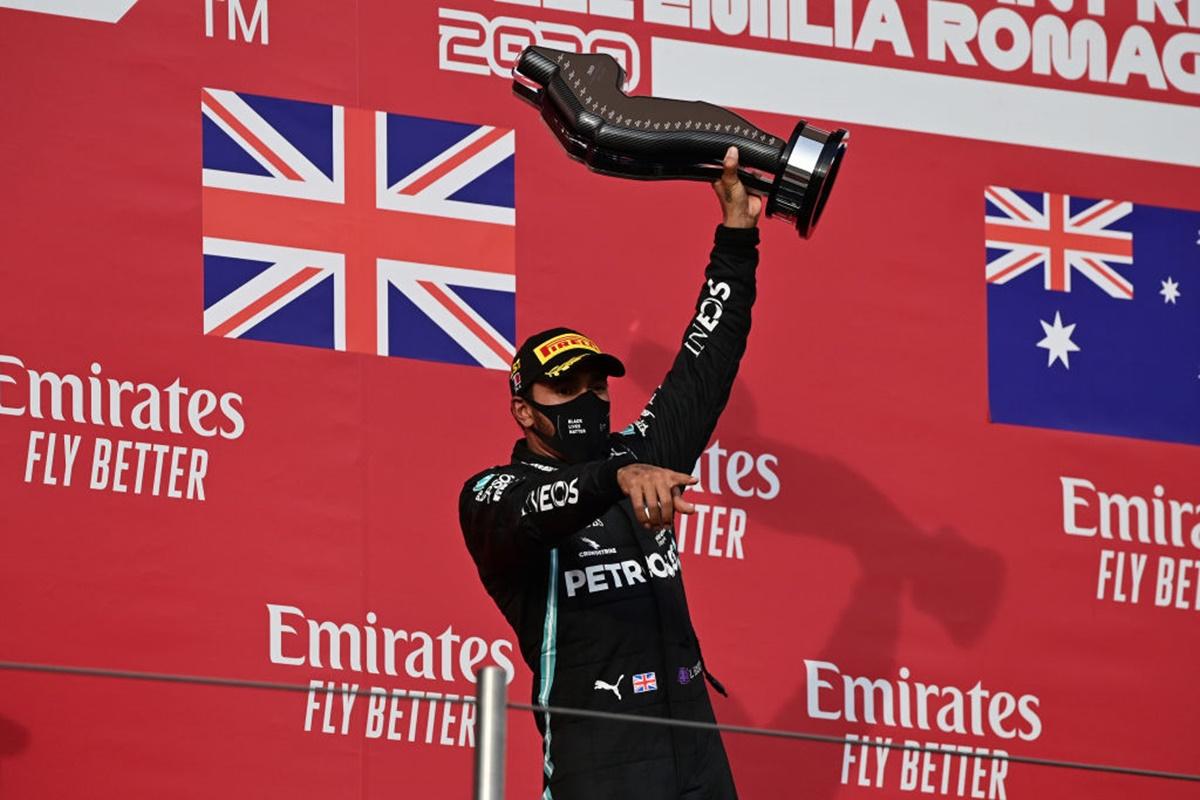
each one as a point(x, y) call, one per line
point(567, 341)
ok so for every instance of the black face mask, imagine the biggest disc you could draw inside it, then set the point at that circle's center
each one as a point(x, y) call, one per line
point(580, 427)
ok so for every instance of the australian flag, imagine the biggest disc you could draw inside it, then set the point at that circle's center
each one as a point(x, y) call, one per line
point(358, 230)
point(1093, 315)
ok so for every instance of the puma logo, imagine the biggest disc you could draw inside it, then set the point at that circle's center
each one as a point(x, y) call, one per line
point(609, 687)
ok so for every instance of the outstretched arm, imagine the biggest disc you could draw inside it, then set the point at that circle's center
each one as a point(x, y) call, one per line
point(506, 512)
point(676, 424)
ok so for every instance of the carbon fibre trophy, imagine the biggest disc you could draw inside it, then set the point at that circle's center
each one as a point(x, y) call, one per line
point(651, 138)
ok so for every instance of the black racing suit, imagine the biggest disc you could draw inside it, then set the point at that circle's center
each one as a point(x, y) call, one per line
point(596, 600)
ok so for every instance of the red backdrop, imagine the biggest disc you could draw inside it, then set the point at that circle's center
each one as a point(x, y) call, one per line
point(865, 517)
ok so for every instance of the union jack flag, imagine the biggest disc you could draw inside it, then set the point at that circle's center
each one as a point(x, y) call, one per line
point(1059, 233)
point(644, 682)
point(358, 230)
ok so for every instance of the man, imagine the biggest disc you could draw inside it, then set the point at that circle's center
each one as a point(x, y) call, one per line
point(573, 540)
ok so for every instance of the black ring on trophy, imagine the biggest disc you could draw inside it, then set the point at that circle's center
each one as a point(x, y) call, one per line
point(650, 138)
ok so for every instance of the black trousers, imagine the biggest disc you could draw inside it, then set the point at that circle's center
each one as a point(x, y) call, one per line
point(680, 764)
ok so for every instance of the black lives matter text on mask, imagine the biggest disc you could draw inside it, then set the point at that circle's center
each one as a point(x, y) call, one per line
point(581, 427)
point(139, 455)
point(732, 483)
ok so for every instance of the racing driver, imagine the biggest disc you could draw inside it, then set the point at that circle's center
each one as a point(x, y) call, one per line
point(573, 540)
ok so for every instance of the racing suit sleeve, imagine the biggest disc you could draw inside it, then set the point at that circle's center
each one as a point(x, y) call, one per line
point(514, 509)
point(677, 422)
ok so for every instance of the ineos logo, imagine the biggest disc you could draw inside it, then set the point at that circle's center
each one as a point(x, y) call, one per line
point(551, 496)
point(708, 315)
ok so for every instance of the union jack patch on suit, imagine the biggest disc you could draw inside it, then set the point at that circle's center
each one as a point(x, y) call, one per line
point(644, 682)
point(358, 230)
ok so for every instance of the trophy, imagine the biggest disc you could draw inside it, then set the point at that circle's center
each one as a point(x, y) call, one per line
point(652, 138)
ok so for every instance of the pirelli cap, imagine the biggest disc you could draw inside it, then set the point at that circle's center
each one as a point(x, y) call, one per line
point(553, 353)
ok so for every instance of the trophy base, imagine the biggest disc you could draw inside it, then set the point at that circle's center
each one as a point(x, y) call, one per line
point(808, 167)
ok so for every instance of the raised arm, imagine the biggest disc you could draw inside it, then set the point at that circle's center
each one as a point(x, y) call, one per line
point(677, 422)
